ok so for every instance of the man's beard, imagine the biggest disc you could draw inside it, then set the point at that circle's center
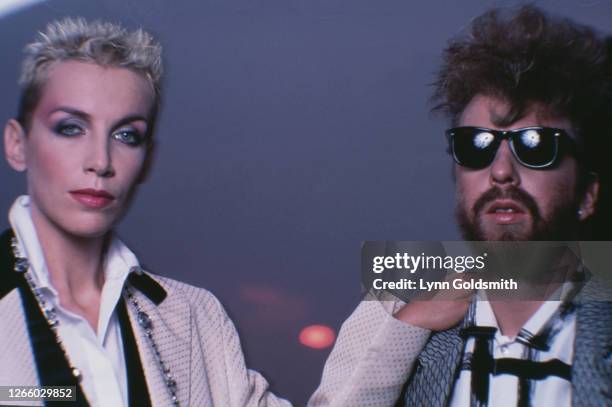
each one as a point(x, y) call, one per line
point(561, 224)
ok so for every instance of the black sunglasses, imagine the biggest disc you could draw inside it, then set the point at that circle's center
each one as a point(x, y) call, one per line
point(533, 147)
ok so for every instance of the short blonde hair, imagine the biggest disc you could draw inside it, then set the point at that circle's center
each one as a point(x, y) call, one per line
point(98, 42)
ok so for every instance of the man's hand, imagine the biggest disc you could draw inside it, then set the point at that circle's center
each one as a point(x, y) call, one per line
point(438, 313)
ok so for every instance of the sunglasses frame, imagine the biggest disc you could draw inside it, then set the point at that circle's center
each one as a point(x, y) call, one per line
point(561, 136)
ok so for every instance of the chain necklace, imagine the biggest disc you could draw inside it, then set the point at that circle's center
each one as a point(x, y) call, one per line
point(22, 266)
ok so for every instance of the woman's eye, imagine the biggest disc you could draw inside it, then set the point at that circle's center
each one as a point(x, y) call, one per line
point(68, 130)
point(129, 137)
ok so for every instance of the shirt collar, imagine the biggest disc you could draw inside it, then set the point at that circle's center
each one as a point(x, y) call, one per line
point(27, 240)
point(118, 263)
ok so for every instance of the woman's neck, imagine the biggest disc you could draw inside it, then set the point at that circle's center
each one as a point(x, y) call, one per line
point(75, 266)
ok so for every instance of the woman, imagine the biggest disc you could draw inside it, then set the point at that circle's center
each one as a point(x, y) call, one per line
point(76, 308)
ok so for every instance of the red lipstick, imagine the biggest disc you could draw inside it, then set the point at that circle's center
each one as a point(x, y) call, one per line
point(92, 198)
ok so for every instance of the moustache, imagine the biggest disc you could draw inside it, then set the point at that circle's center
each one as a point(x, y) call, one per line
point(512, 193)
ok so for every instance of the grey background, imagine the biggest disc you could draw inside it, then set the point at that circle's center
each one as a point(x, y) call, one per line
point(292, 130)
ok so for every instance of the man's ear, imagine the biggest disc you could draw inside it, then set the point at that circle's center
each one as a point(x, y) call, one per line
point(589, 198)
point(14, 145)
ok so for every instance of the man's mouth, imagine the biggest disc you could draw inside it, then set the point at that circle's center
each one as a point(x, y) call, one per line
point(506, 212)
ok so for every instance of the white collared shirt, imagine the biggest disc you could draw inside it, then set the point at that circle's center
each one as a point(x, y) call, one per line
point(503, 388)
point(97, 354)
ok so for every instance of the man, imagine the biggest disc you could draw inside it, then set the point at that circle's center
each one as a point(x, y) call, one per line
point(529, 100)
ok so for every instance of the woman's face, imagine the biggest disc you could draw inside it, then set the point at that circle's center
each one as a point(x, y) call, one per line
point(86, 147)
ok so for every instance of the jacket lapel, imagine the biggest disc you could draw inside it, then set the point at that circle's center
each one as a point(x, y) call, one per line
point(433, 378)
point(52, 366)
point(171, 332)
point(138, 392)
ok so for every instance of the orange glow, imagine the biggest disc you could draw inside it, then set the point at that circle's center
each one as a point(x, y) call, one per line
point(317, 336)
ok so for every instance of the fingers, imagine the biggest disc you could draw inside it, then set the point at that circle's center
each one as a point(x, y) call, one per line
point(438, 310)
point(434, 315)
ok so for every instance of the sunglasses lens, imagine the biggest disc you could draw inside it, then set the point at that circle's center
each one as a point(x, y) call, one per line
point(535, 147)
point(473, 148)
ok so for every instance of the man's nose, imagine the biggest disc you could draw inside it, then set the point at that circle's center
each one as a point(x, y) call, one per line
point(99, 158)
point(504, 168)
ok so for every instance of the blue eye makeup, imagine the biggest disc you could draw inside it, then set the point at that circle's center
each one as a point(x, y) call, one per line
point(68, 129)
point(130, 137)
point(126, 134)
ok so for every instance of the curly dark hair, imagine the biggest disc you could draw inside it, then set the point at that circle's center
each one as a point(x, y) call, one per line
point(524, 57)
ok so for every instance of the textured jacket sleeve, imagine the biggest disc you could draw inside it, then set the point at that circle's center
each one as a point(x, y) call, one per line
point(368, 366)
point(371, 360)
point(232, 383)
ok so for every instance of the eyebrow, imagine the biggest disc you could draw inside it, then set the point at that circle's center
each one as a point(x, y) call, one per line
point(129, 119)
point(87, 117)
point(71, 111)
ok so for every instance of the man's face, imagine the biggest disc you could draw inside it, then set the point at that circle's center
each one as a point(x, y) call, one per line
point(508, 201)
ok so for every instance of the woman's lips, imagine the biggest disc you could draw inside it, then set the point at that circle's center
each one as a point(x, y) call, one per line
point(92, 198)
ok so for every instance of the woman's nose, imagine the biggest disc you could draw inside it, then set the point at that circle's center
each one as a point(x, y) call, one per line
point(99, 158)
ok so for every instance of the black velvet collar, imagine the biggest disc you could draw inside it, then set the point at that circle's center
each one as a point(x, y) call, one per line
point(138, 392)
point(8, 279)
point(149, 287)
